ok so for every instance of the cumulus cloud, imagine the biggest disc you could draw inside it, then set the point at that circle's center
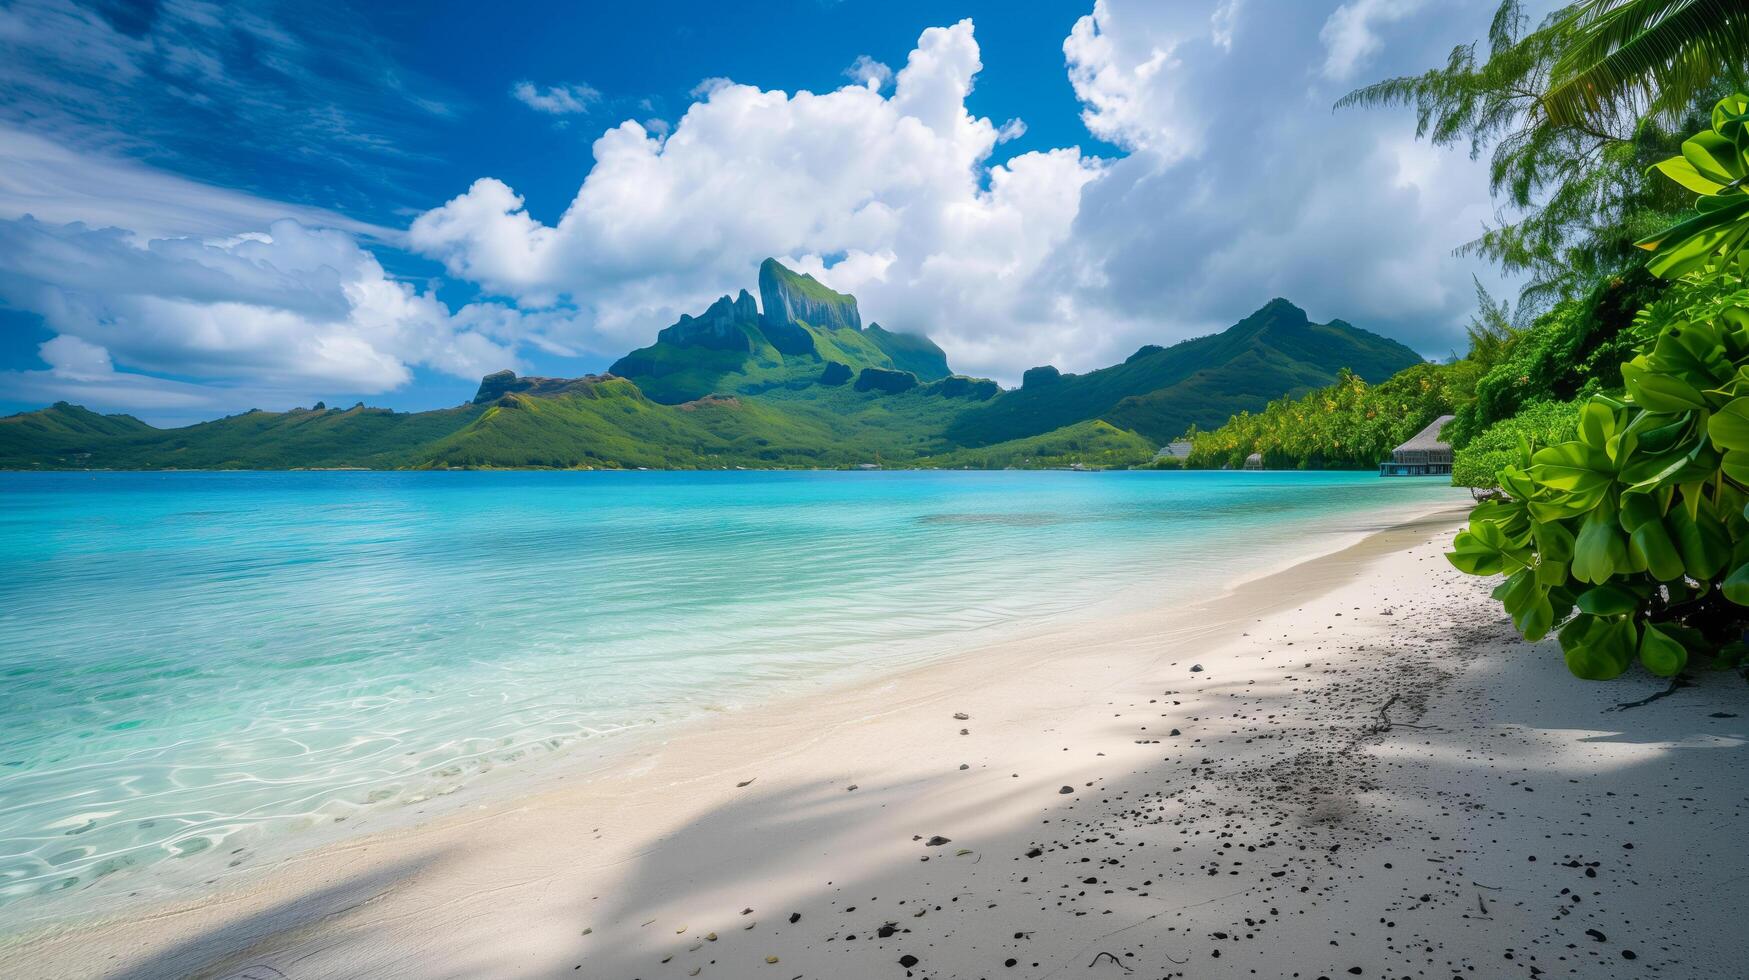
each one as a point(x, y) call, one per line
point(868, 72)
point(82, 373)
point(556, 100)
point(897, 190)
point(291, 309)
point(1238, 184)
point(1343, 213)
point(1349, 35)
point(1125, 79)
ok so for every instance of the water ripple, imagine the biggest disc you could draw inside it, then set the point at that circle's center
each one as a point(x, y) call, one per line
point(195, 665)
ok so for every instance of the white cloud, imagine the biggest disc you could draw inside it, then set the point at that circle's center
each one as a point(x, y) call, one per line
point(1125, 80)
point(291, 88)
point(1349, 35)
point(1238, 184)
point(899, 187)
point(869, 73)
point(1343, 213)
point(56, 184)
point(556, 100)
point(295, 309)
point(1223, 22)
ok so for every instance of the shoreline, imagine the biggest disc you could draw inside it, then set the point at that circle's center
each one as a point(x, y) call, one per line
point(612, 870)
point(532, 766)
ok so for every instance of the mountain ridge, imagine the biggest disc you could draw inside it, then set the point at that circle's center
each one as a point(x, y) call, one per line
point(716, 390)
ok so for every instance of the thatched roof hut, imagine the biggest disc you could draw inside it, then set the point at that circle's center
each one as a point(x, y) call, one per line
point(1425, 454)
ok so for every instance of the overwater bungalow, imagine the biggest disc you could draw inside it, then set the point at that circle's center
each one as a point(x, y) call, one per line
point(1177, 449)
point(1254, 461)
point(1425, 454)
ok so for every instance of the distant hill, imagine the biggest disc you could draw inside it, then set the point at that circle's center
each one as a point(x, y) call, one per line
point(1159, 392)
point(793, 379)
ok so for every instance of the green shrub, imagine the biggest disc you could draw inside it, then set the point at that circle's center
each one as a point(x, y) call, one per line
point(1714, 164)
point(1348, 425)
point(1573, 351)
point(1631, 539)
point(1479, 464)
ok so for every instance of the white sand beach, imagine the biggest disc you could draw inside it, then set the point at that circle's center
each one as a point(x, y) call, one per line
point(1349, 767)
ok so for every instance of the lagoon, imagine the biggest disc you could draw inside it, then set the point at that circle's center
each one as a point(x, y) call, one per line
point(201, 669)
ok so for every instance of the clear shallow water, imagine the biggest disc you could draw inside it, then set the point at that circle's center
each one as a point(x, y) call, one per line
point(197, 665)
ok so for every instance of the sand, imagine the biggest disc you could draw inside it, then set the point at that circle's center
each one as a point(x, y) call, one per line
point(1369, 775)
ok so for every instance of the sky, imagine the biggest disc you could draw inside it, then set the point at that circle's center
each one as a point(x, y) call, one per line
point(207, 208)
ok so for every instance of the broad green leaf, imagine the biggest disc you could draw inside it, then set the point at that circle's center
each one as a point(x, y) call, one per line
point(1650, 545)
point(1736, 586)
point(1553, 541)
point(1701, 540)
point(1661, 653)
point(1735, 465)
point(1599, 551)
point(1483, 550)
point(1657, 392)
point(1607, 600)
point(1729, 426)
point(1712, 157)
point(1596, 425)
point(1684, 173)
point(1637, 509)
point(1572, 466)
point(1535, 618)
point(1606, 650)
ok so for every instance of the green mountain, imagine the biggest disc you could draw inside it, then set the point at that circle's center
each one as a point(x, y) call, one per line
point(807, 334)
point(1159, 392)
point(793, 379)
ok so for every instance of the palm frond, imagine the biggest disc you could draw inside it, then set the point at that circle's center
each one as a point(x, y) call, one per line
point(1650, 55)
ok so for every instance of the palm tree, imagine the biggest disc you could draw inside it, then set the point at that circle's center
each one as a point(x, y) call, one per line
point(1654, 56)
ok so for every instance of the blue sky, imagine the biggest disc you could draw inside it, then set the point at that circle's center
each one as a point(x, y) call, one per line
point(206, 208)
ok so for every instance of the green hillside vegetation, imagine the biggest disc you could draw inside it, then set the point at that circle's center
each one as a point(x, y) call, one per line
point(1159, 392)
point(801, 383)
point(1478, 462)
point(805, 327)
point(1091, 444)
point(64, 432)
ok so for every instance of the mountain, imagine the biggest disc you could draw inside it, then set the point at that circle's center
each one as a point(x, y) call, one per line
point(1159, 392)
point(792, 379)
point(799, 333)
point(65, 433)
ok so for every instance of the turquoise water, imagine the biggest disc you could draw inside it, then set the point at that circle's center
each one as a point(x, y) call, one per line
point(194, 666)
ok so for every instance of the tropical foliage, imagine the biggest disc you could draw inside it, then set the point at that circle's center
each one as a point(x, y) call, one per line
point(1631, 538)
point(1478, 463)
point(1714, 164)
point(1573, 180)
point(1571, 350)
point(1348, 425)
point(1658, 56)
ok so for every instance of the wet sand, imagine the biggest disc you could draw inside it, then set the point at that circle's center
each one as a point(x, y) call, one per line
point(1349, 767)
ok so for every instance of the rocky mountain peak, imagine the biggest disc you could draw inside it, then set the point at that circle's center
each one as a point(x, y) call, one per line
point(790, 297)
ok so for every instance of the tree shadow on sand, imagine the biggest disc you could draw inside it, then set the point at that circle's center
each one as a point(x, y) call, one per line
point(1304, 835)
